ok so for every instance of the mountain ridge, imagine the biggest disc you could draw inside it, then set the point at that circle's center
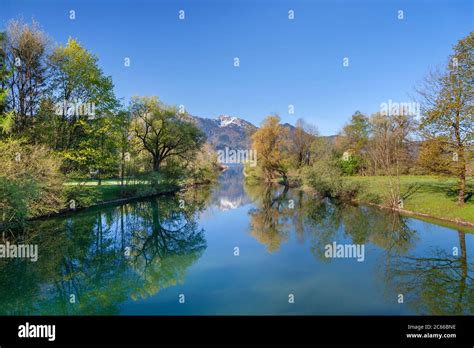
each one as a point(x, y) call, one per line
point(231, 131)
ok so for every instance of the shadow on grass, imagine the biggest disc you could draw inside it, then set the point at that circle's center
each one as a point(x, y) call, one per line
point(449, 189)
point(412, 189)
point(468, 197)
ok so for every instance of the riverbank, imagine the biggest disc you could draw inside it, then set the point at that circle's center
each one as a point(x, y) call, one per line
point(425, 196)
point(110, 192)
point(84, 194)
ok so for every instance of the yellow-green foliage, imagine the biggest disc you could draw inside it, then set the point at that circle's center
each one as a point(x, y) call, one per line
point(30, 181)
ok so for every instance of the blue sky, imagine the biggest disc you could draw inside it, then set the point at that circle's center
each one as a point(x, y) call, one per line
point(282, 61)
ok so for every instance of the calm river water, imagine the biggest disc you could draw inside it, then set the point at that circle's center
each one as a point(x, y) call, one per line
point(238, 249)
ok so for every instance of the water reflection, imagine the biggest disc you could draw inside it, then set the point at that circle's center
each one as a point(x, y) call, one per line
point(437, 282)
point(269, 219)
point(278, 210)
point(99, 261)
point(230, 193)
point(92, 262)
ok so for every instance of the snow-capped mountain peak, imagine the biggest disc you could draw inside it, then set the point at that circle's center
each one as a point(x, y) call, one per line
point(228, 204)
point(225, 120)
point(226, 131)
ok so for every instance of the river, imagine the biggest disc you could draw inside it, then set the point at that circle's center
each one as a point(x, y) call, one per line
point(235, 249)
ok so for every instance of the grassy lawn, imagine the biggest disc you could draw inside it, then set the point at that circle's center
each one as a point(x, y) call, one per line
point(93, 182)
point(89, 192)
point(436, 196)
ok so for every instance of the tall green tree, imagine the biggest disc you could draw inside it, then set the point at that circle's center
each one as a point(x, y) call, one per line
point(81, 106)
point(356, 133)
point(79, 90)
point(162, 132)
point(6, 118)
point(25, 49)
point(98, 152)
point(3, 73)
point(447, 100)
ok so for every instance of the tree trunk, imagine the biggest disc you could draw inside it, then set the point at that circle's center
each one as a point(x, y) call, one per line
point(156, 164)
point(122, 168)
point(461, 160)
point(461, 177)
point(285, 180)
point(462, 188)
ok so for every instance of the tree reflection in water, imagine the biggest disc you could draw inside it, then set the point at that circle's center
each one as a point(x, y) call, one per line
point(101, 258)
point(439, 283)
point(269, 220)
point(322, 221)
point(105, 257)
